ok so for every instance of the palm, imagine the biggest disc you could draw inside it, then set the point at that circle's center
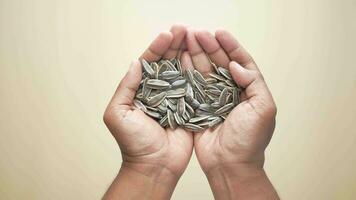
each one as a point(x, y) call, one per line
point(245, 133)
point(147, 141)
point(237, 138)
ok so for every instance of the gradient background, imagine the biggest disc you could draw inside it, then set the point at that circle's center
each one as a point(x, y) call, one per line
point(61, 60)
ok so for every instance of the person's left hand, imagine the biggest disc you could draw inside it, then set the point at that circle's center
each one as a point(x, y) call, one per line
point(145, 146)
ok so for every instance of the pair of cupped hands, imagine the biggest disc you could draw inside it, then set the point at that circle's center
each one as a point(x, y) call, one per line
point(230, 155)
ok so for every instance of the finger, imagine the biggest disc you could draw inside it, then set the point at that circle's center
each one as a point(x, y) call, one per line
point(178, 32)
point(158, 47)
point(234, 50)
point(186, 61)
point(256, 90)
point(212, 47)
point(183, 48)
point(128, 86)
point(200, 59)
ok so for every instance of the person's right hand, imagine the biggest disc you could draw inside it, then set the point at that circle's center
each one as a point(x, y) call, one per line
point(234, 151)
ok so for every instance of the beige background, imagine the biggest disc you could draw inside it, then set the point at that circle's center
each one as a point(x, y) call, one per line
point(61, 60)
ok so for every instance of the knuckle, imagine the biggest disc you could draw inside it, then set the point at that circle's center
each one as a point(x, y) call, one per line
point(258, 75)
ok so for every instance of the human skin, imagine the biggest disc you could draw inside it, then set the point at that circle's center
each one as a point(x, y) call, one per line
point(231, 156)
point(153, 158)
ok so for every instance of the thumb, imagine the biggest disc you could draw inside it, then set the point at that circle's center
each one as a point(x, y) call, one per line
point(128, 86)
point(256, 90)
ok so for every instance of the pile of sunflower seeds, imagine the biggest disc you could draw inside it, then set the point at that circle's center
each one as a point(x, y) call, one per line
point(177, 98)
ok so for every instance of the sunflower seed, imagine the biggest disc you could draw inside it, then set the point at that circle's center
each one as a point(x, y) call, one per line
point(230, 83)
point(162, 108)
point(211, 87)
point(215, 122)
point(192, 102)
point(146, 93)
point(180, 92)
point(199, 97)
point(210, 97)
point(171, 105)
point(152, 109)
point(190, 76)
point(157, 84)
point(168, 75)
point(210, 80)
point(171, 121)
point(199, 112)
point(228, 99)
point(181, 106)
point(214, 92)
point(205, 107)
point(200, 90)
point(225, 73)
point(198, 119)
point(193, 127)
point(189, 108)
point(178, 119)
point(235, 96)
point(199, 78)
point(147, 68)
point(179, 83)
point(217, 76)
point(190, 90)
point(164, 121)
point(171, 64)
point(138, 104)
point(157, 99)
point(215, 67)
point(179, 67)
point(155, 68)
point(224, 109)
point(204, 124)
point(223, 96)
point(153, 114)
point(215, 105)
point(186, 116)
point(221, 86)
point(189, 100)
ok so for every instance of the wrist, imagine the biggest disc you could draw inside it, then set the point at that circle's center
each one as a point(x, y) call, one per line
point(137, 181)
point(235, 170)
point(240, 181)
point(153, 172)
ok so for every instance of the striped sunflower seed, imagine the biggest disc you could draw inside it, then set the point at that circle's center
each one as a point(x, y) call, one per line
point(147, 68)
point(171, 121)
point(198, 119)
point(177, 93)
point(138, 104)
point(189, 100)
point(198, 77)
point(223, 97)
point(157, 84)
point(226, 108)
point(181, 106)
point(169, 75)
point(224, 72)
point(157, 99)
point(193, 127)
point(213, 123)
point(153, 114)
